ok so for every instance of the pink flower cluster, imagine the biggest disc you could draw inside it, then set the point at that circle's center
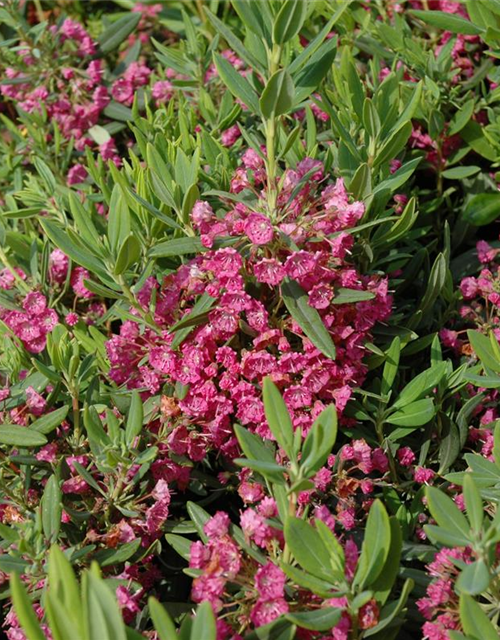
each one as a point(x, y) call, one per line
point(222, 362)
point(440, 604)
point(31, 324)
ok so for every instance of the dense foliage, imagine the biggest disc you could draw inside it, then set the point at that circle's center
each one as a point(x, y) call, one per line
point(249, 293)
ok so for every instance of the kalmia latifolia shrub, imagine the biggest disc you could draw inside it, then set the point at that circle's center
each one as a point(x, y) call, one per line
point(249, 293)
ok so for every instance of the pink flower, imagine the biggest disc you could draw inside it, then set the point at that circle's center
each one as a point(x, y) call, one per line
point(35, 402)
point(270, 582)
point(269, 271)
point(423, 475)
point(217, 526)
point(78, 275)
point(77, 174)
point(405, 456)
point(71, 319)
point(265, 611)
point(229, 136)
point(259, 229)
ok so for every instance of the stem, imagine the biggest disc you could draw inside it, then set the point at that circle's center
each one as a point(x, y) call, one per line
point(76, 414)
point(20, 282)
point(270, 127)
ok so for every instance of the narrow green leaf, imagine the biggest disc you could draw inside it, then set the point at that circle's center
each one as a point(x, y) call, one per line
point(135, 418)
point(351, 296)
point(277, 416)
point(414, 414)
point(24, 610)
point(17, 436)
point(236, 83)
point(473, 503)
point(51, 504)
point(319, 441)
point(474, 621)
point(163, 623)
point(375, 547)
point(289, 20)
point(318, 620)
point(474, 579)
point(204, 623)
point(447, 21)
point(446, 513)
point(308, 319)
point(118, 32)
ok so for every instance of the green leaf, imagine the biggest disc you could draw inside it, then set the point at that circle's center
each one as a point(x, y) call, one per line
point(277, 416)
point(475, 621)
point(253, 446)
point(391, 365)
point(17, 436)
point(375, 548)
point(474, 579)
point(383, 584)
point(180, 544)
point(252, 16)
point(129, 253)
point(235, 43)
point(319, 441)
point(176, 247)
point(289, 20)
point(118, 32)
point(297, 576)
point(309, 77)
point(24, 610)
point(110, 557)
point(135, 419)
point(474, 136)
point(277, 97)
point(350, 296)
point(51, 504)
point(236, 83)
point(50, 421)
point(308, 548)
point(459, 173)
point(163, 623)
point(104, 617)
point(421, 385)
point(446, 513)
point(473, 503)
point(318, 620)
point(118, 218)
point(46, 174)
point(187, 323)
point(482, 348)
point(447, 21)
point(308, 319)
point(414, 414)
point(204, 623)
point(117, 111)
point(199, 518)
point(461, 117)
point(393, 145)
point(389, 612)
point(63, 588)
point(62, 241)
point(482, 209)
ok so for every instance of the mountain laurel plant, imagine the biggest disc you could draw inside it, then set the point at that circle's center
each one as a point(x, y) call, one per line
point(249, 293)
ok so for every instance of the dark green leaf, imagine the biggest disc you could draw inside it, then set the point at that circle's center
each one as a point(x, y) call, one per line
point(277, 97)
point(118, 32)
